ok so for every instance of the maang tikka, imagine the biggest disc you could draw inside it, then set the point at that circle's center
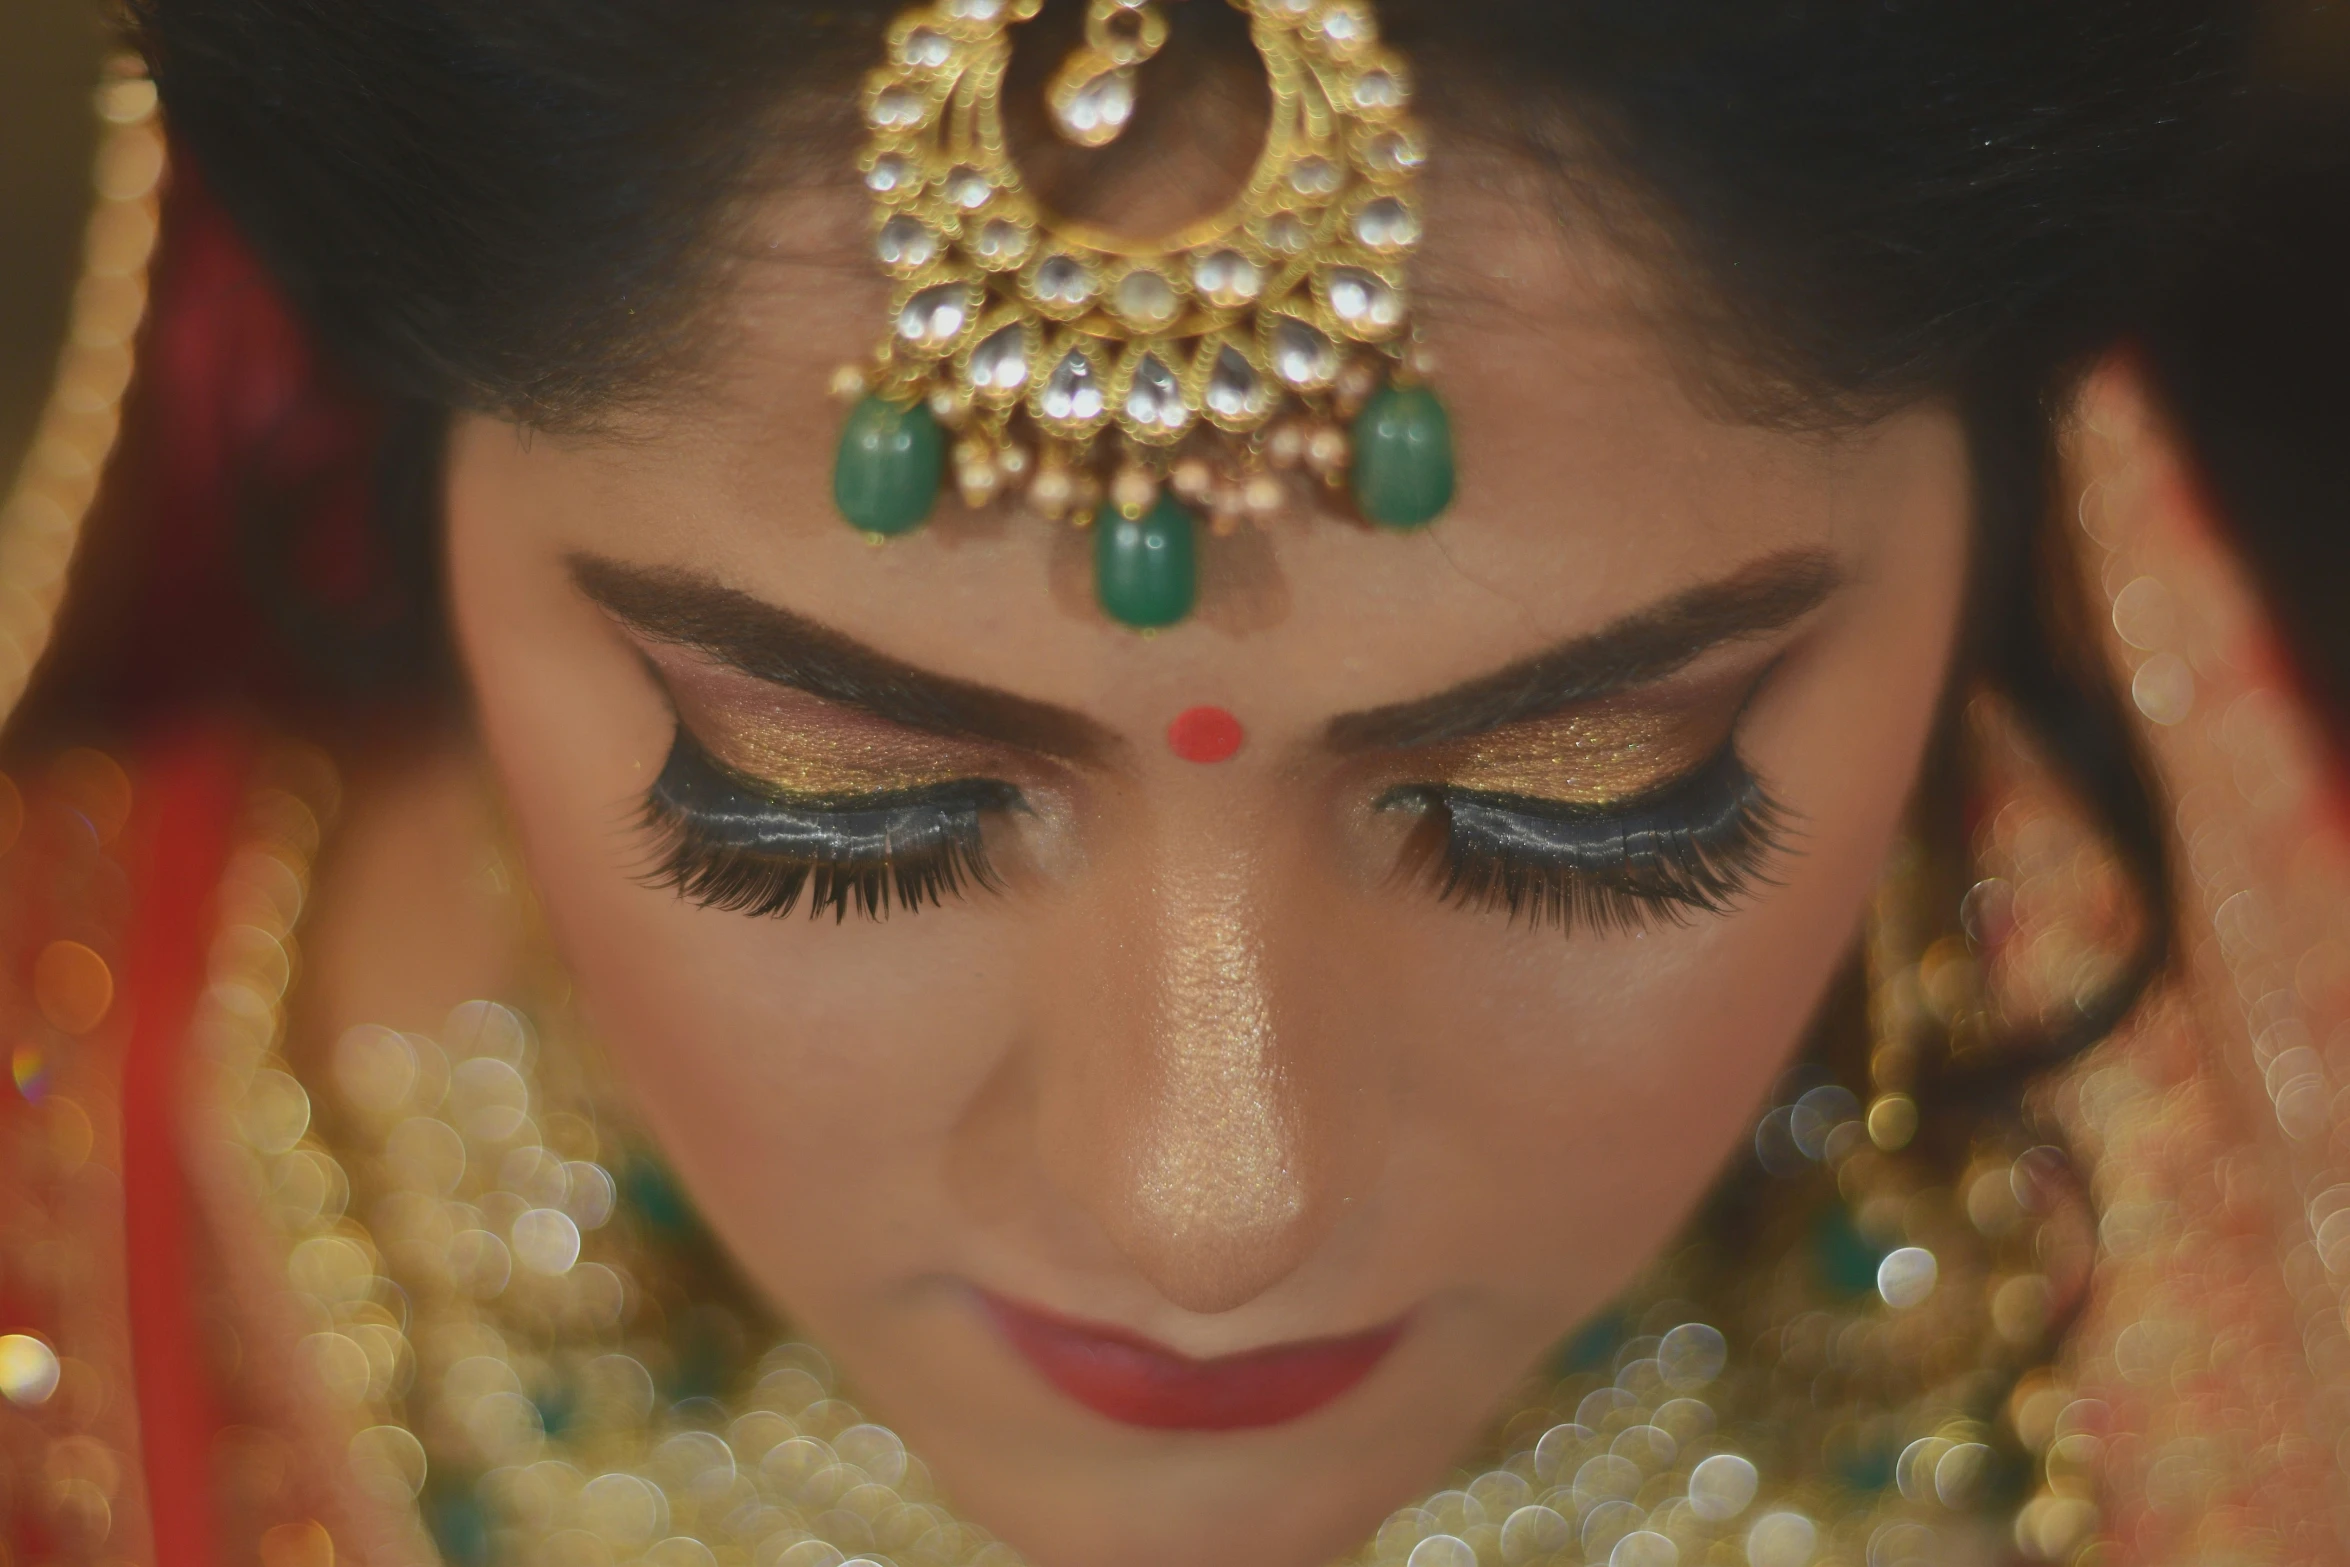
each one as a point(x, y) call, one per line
point(1213, 371)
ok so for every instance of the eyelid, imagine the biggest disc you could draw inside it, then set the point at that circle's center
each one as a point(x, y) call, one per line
point(792, 744)
point(951, 791)
point(1602, 754)
point(721, 843)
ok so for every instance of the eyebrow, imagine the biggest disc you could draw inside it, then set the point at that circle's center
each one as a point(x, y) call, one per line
point(1766, 595)
point(681, 608)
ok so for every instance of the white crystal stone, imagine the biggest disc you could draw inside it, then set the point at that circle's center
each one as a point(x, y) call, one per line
point(967, 188)
point(1073, 392)
point(1363, 300)
point(1314, 176)
point(1302, 356)
point(1064, 280)
point(1146, 297)
point(1234, 391)
point(1001, 243)
point(926, 48)
point(975, 10)
point(1346, 26)
point(1154, 402)
point(936, 316)
point(1098, 110)
point(1392, 152)
point(1000, 364)
point(1378, 88)
point(905, 242)
point(892, 171)
point(1387, 224)
point(895, 108)
point(1288, 232)
point(1226, 277)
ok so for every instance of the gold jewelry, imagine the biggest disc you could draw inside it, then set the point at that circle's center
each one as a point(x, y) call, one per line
point(1092, 96)
point(1193, 368)
point(41, 521)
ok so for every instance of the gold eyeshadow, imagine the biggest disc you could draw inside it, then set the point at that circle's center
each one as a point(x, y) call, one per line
point(799, 745)
point(1596, 755)
point(820, 760)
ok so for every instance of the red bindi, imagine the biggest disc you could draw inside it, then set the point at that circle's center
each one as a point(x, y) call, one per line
point(1204, 734)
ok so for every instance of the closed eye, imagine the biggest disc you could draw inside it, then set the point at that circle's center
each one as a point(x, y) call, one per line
point(1697, 844)
point(724, 841)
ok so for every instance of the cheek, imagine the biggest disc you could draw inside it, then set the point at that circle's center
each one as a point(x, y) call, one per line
point(1587, 1090)
point(1573, 1098)
point(765, 1056)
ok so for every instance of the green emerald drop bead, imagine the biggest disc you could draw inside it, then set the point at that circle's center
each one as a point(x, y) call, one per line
point(1145, 569)
point(1403, 471)
point(892, 457)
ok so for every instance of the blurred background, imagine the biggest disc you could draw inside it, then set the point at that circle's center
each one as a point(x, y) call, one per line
point(49, 57)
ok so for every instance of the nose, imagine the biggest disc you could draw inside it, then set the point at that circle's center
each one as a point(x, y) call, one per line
point(1182, 1102)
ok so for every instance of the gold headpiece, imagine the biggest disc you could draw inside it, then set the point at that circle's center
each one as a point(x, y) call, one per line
point(1270, 336)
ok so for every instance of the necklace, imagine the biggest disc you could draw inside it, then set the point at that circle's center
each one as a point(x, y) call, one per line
point(535, 1352)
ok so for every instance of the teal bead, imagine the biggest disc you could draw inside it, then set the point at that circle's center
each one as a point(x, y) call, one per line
point(1847, 1260)
point(459, 1523)
point(1403, 467)
point(1591, 1346)
point(1145, 569)
point(653, 1193)
point(892, 457)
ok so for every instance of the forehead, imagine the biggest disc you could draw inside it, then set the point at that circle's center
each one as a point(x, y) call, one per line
point(1593, 482)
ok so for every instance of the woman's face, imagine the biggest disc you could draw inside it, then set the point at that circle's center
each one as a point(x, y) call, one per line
point(1177, 1060)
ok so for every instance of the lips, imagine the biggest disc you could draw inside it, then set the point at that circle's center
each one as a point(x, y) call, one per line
point(1138, 1383)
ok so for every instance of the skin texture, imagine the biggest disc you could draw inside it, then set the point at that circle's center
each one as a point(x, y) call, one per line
point(1211, 1067)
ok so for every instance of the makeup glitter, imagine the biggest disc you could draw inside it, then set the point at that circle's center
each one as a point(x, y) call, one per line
point(1599, 755)
point(1204, 734)
point(1217, 1166)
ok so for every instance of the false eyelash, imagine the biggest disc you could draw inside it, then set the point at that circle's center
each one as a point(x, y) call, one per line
point(721, 843)
point(1697, 845)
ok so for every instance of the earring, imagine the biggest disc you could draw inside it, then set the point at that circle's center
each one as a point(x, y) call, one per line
point(1263, 350)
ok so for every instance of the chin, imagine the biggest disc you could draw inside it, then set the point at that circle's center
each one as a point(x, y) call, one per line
point(1070, 1486)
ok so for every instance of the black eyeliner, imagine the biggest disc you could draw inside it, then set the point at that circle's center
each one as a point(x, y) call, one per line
point(1695, 844)
point(728, 843)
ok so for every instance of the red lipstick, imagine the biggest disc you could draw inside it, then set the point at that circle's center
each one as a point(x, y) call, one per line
point(1132, 1380)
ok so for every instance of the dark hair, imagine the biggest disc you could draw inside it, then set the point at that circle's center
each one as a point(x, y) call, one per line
point(508, 204)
